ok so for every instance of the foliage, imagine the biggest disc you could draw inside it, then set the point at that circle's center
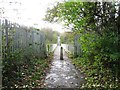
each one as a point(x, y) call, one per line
point(26, 74)
point(51, 36)
point(67, 38)
point(98, 27)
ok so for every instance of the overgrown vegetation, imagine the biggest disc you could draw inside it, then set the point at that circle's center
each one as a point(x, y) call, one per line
point(24, 56)
point(98, 26)
point(27, 74)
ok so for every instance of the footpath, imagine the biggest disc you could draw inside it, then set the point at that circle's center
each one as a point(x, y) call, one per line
point(62, 73)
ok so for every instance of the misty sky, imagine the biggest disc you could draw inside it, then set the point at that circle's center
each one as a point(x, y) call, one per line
point(28, 12)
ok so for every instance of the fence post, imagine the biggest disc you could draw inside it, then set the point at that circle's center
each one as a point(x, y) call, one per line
point(6, 32)
point(76, 46)
point(0, 55)
point(48, 46)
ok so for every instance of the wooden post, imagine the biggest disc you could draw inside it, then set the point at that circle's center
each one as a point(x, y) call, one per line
point(48, 49)
point(6, 32)
point(61, 53)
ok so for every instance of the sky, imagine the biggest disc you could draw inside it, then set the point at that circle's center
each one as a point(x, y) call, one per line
point(29, 12)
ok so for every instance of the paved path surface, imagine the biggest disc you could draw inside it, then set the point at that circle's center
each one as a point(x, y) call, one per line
point(62, 73)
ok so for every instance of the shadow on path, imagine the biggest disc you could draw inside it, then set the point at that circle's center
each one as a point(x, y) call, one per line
point(62, 73)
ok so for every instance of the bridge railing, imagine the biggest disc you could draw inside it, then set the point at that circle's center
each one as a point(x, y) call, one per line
point(50, 48)
point(68, 48)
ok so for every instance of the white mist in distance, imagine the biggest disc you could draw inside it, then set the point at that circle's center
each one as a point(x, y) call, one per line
point(29, 12)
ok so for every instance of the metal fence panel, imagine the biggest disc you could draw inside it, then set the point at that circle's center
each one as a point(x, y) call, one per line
point(29, 40)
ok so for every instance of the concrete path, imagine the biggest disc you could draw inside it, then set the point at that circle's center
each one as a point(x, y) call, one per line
point(62, 73)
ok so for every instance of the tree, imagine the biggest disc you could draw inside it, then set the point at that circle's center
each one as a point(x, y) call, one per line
point(98, 27)
point(51, 36)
